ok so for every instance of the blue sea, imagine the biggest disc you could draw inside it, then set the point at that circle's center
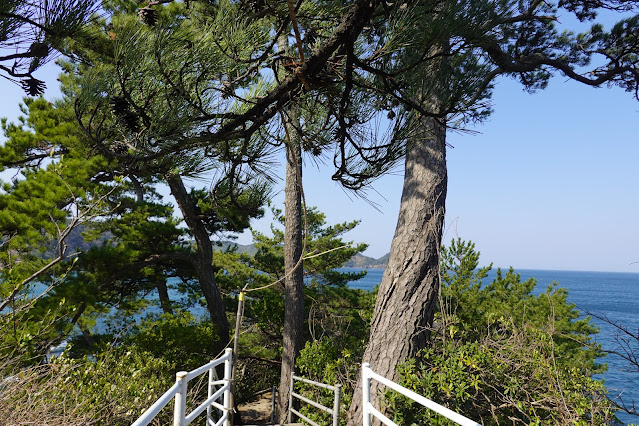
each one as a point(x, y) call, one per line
point(610, 295)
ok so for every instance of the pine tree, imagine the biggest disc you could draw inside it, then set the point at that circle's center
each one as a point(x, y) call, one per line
point(34, 32)
point(137, 244)
point(451, 65)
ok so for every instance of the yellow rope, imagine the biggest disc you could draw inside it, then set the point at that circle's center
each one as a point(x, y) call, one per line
point(310, 256)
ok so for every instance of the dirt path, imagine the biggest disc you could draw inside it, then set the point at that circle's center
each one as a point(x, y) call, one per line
point(257, 412)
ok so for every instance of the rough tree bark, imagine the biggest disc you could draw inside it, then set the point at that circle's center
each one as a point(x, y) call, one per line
point(408, 293)
point(165, 300)
point(203, 259)
point(294, 270)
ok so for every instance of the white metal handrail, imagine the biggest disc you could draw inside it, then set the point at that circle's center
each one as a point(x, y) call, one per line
point(179, 391)
point(368, 374)
point(333, 412)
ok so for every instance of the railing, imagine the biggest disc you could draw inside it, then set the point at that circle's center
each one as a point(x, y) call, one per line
point(179, 390)
point(333, 412)
point(368, 374)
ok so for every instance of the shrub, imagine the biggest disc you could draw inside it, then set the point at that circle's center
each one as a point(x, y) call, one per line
point(113, 389)
point(116, 384)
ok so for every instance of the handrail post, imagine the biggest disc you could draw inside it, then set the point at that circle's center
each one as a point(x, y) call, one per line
point(179, 412)
point(228, 371)
point(209, 393)
point(338, 392)
point(273, 404)
point(290, 401)
point(366, 394)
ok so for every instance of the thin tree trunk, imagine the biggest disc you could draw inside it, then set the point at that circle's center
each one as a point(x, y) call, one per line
point(163, 293)
point(139, 190)
point(86, 335)
point(294, 281)
point(203, 258)
point(408, 293)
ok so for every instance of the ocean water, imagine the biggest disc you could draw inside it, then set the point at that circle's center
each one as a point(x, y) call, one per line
point(609, 295)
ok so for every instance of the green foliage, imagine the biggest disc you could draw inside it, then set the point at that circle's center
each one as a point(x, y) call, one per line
point(258, 367)
point(500, 353)
point(113, 388)
point(181, 340)
point(29, 33)
point(227, 209)
point(325, 251)
point(337, 318)
point(113, 278)
point(34, 210)
point(117, 383)
point(137, 244)
point(155, 88)
point(508, 376)
point(469, 310)
point(25, 335)
point(40, 207)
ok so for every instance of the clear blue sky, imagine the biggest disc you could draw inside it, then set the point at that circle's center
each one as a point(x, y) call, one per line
point(549, 183)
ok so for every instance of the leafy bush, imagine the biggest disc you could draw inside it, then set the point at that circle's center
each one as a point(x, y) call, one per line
point(113, 389)
point(510, 376)
point(180, 339)
point(116, 385)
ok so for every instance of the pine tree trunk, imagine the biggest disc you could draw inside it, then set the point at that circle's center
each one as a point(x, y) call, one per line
point(293, 247)
point(408, 293)
point(163, 294)
point(294, 281)
point(203, 260)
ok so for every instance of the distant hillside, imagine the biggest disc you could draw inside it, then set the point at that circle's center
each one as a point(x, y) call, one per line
point(75, 242)
point(241, 248)
point(364, 262)
point(358, 261)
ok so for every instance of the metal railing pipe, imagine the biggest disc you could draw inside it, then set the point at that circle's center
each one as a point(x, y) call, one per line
point(180, 389)
point(311, 402)
point(311, 382)
point(368, 374)
point(380, 416)
point(290, 400)
point(273, 404)
point(336, 402)
point(219, 407)
point(209, 401)
point(223, 419)
point(204, 368)
point(228, 372)
point(148, 416)
point(366, 394)
point(303, 417)
point(179, 412)
point(209, 391)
